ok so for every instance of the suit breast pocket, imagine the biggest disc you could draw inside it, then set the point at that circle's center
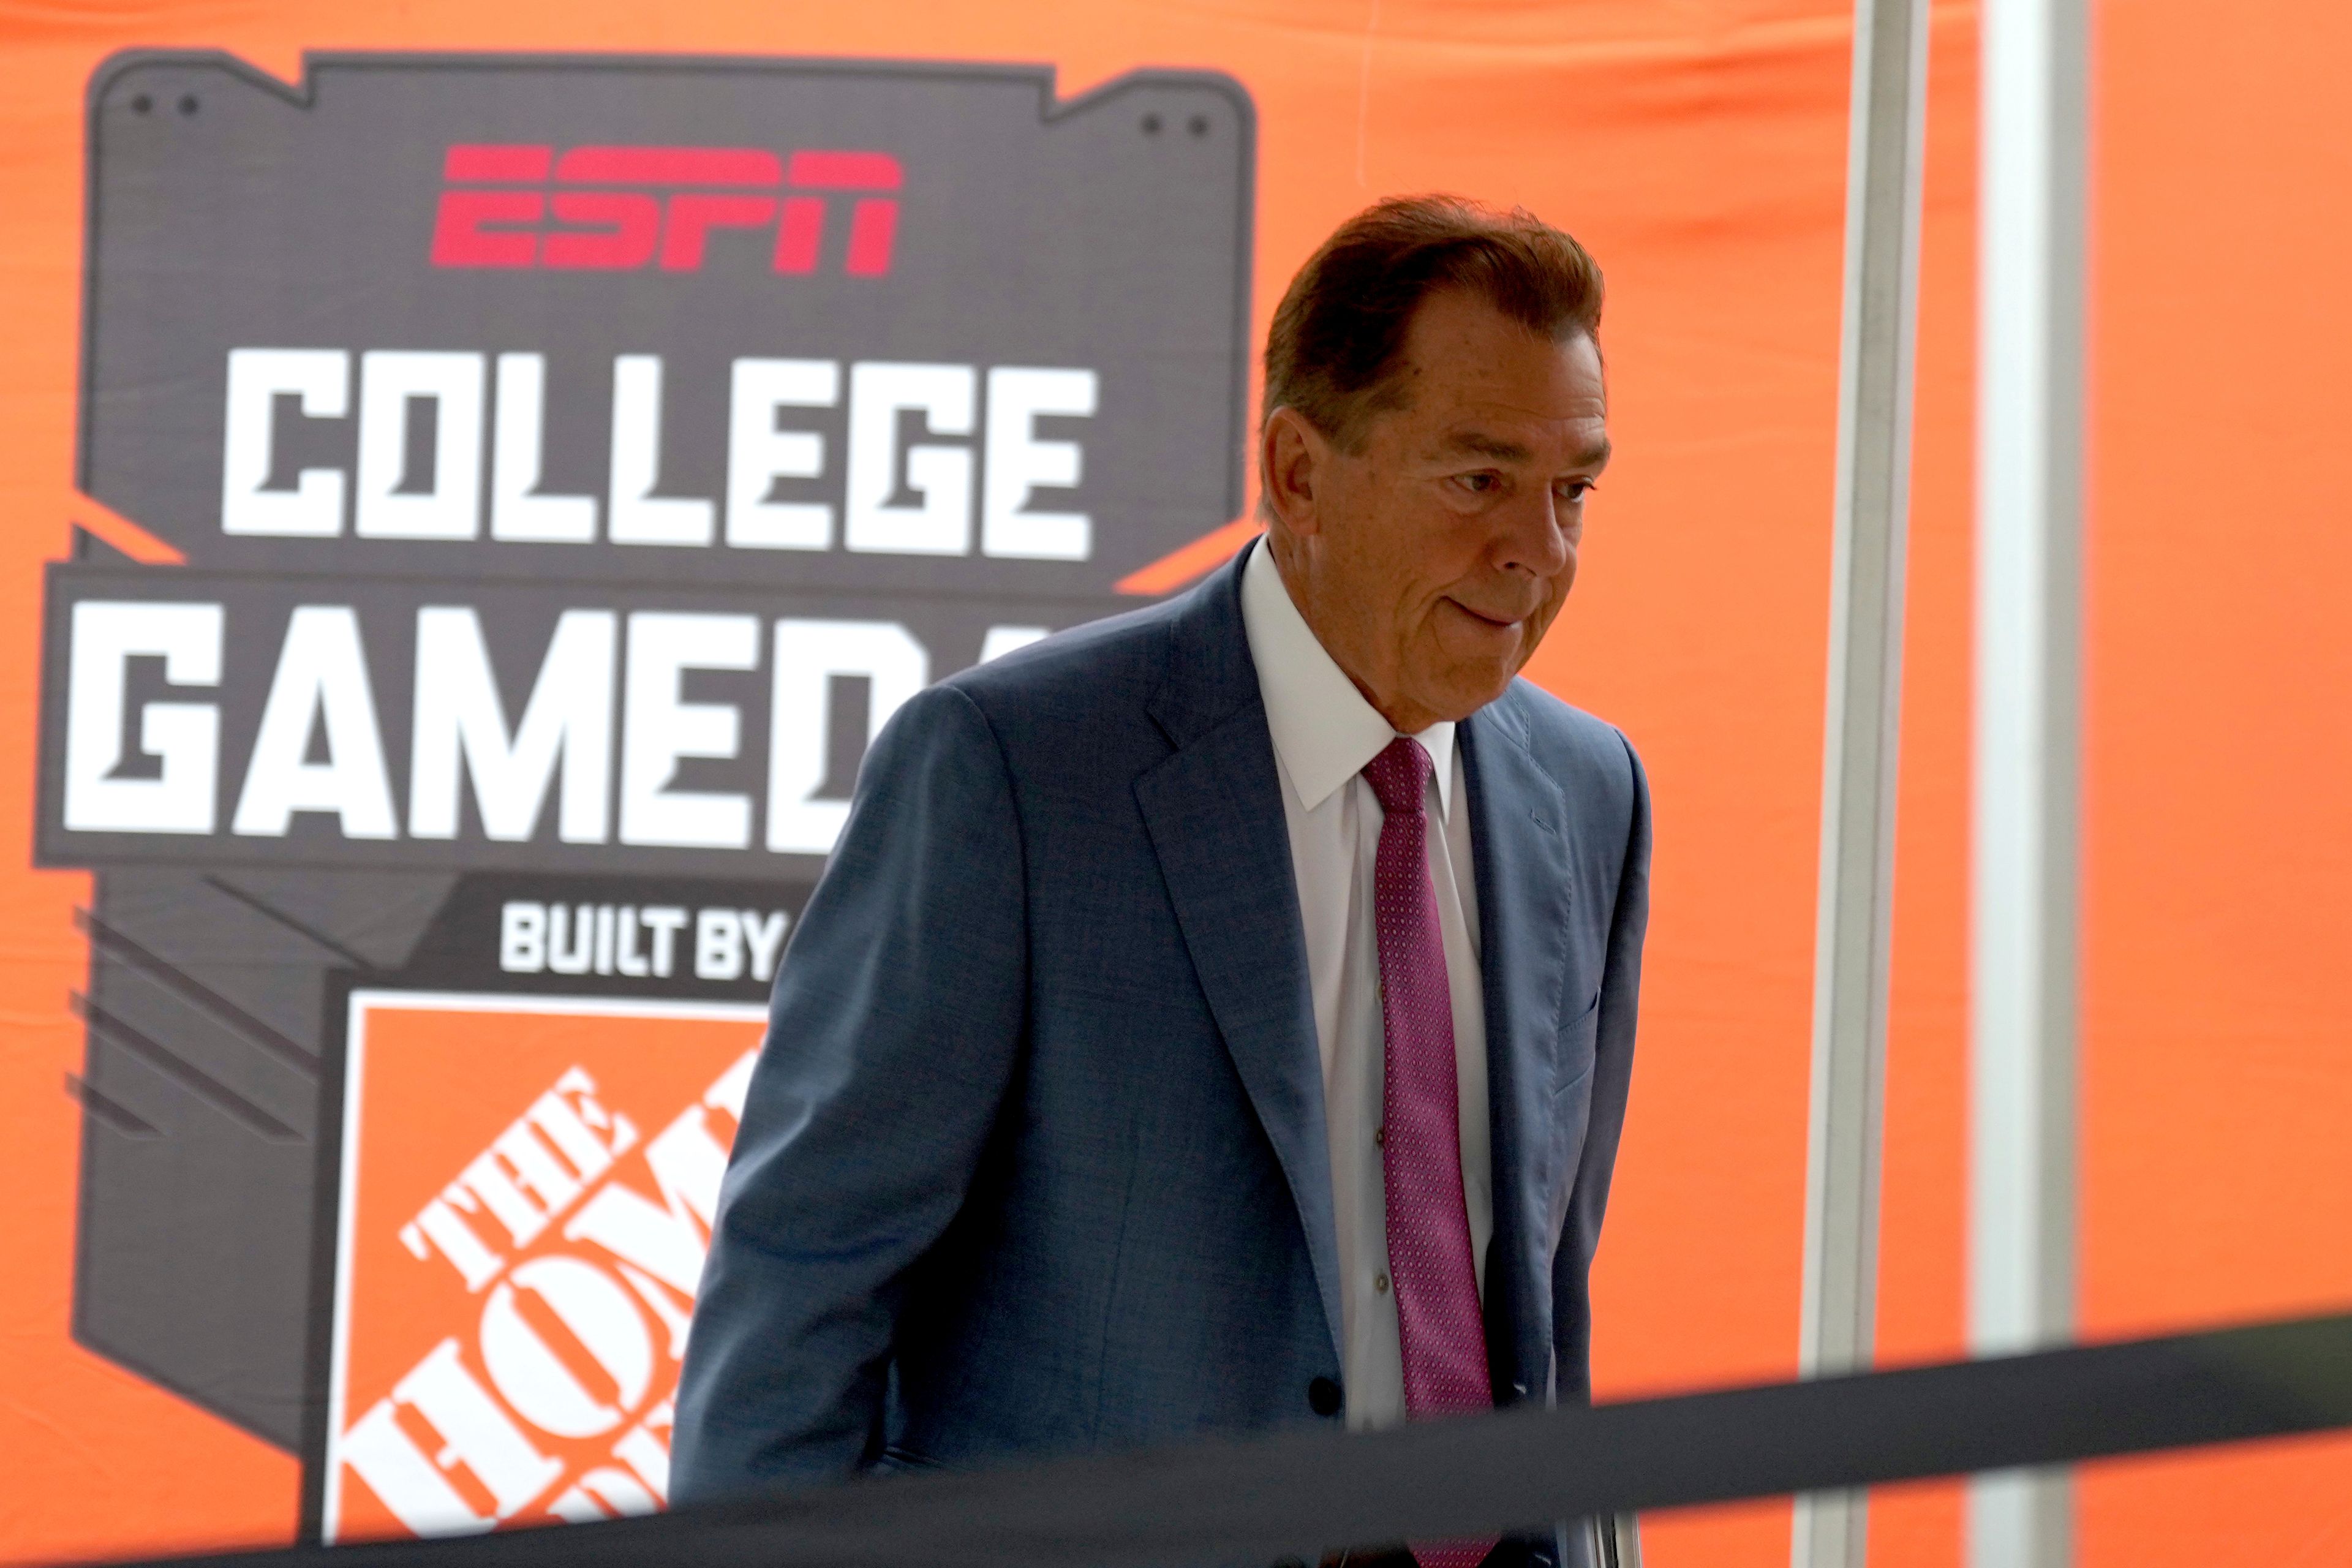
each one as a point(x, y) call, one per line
point(1572, 1063)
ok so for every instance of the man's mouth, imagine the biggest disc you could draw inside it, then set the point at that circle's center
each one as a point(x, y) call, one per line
point(1500, 622)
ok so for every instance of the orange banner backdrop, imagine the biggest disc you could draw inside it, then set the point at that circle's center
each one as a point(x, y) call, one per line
point(1698, 148)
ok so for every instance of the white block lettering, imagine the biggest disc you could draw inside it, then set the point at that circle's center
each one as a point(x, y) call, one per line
point(647, 1454)
point(475, 1432)
point(186, 736)
point(942, 523)
point(717, 945)
point(637, 515)
point(1018, 462)
point(664, 922)
point(518, 445)
point(314, 507)
point(529, 1373)
point(764, 935)
point(605, 1492)
point(321, 681)
point(809, 654)
point(668, 1239)
point(659, 729)
point(569, 933)
point(391, 382)
point(522, 936)
point(460, 722)
point(439, 1224)
point(758, 454)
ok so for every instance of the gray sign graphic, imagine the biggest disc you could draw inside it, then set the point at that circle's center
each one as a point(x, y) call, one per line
point(573, 462)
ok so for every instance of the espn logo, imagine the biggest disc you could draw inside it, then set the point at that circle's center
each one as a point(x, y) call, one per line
point(620, 208)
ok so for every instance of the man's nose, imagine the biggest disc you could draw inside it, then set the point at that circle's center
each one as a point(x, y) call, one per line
point(1535, 536)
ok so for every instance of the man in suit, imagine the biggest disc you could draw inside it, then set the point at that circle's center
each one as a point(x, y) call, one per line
point(1220, 1017)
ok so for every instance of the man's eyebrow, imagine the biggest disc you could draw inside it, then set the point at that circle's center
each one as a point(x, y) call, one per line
point(1476, 444)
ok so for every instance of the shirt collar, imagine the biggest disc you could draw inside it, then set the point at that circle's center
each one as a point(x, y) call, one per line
point(1322, 728)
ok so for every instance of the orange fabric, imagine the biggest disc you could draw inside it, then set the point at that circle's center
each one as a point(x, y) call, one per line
point(1698, 148)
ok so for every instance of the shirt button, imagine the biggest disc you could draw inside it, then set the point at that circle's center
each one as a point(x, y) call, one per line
point(1379, 1137)
point(1323, 1397)
point(1381, 1283)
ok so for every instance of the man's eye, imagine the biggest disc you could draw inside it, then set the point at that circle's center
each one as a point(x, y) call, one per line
point(1479, 482)
point(1575, 490)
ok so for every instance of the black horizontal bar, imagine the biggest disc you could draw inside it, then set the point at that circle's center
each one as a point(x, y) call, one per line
point(1298, 1493)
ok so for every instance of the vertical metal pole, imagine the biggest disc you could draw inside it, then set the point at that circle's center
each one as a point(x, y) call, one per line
point(1887, 124)
point(2023, 1179)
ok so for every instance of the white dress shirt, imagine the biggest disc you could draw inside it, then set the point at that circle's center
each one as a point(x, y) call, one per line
point(1324, 732)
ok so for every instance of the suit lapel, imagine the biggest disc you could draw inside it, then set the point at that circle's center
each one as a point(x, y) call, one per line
point(1213, 811)
point(1521, 858)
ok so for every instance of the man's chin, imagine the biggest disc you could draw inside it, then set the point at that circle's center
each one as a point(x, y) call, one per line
point(1465, 690)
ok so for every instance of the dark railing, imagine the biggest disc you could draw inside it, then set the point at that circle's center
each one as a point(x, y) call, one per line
point(1293, 1494)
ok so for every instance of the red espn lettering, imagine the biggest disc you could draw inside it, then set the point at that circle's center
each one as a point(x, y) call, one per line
point(498, 198)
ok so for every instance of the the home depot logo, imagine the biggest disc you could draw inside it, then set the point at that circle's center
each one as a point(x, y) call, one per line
point(619, 208)
point(528, 1193)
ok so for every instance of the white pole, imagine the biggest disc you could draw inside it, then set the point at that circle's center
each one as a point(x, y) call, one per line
point(1886, 126)
point(2022, 1182)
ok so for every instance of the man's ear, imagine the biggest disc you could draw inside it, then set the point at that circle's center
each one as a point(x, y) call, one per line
point(1293, 461)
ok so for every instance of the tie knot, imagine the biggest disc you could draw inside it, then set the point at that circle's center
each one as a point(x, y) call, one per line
point(1400, 776)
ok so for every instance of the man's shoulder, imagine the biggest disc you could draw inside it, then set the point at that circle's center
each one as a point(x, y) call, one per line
point(1574, 748)
point(1090, 675)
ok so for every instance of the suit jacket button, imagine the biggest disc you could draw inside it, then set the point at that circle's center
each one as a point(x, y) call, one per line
point(1323, 1397)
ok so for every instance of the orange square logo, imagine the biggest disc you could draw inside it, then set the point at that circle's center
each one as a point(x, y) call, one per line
point(526, 1198)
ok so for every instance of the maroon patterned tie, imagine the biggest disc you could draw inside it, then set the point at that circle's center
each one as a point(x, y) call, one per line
point(1439, 1329)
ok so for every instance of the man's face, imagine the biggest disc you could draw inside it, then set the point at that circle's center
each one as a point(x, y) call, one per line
point(1430, 560)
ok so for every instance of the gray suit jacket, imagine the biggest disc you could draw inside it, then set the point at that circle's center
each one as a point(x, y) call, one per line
point(1034, 1159)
